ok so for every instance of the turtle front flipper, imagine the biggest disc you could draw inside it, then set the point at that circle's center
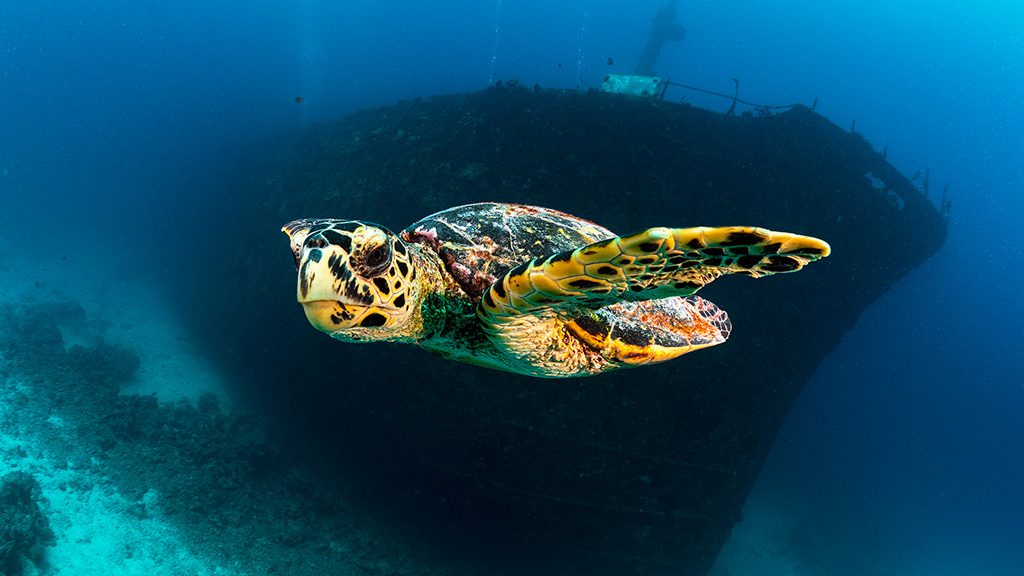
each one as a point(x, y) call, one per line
point(533, 313)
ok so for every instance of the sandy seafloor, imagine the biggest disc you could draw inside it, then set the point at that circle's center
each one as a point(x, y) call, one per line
point(109, 516)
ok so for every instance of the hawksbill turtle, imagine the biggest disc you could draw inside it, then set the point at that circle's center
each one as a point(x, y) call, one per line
point(530, 290)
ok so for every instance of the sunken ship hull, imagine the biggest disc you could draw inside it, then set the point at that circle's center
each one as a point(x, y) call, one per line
point(636, 472)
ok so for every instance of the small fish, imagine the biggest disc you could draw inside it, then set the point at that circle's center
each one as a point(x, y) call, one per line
point(611, 61)
point(299, 99)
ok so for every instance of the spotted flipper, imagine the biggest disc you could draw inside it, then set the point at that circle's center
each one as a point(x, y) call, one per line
point(555, 309)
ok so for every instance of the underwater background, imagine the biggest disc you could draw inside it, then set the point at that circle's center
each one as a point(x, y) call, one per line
point(135, 139)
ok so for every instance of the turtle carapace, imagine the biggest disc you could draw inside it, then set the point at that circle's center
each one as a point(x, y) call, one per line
point(530, 290)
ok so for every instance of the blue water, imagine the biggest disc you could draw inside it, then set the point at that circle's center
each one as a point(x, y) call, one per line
point(111, 115)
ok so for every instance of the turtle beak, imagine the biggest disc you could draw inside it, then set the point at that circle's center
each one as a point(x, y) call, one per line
point(329, 316)
point(319, 314)
point(329, 297)
point(297, 231)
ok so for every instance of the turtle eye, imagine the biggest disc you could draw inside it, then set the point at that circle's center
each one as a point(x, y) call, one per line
point(376, 261)
point(376, 257)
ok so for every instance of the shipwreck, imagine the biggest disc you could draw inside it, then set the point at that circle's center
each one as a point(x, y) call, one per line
point(637, 472)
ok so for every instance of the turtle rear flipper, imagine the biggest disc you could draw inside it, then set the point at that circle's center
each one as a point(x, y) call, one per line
point(526, 312)
point(635, 333)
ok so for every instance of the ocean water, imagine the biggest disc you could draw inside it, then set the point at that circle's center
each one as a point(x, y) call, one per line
point(131, 138)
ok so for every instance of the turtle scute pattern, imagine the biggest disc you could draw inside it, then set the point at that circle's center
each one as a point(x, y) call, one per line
point(655, 263)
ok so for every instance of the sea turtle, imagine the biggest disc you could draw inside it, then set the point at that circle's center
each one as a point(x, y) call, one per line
point(530, 290)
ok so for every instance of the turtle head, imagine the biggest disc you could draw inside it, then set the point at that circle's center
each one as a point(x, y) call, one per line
point(355, 279)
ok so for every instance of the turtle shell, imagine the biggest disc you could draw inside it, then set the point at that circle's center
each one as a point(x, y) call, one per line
point(479, 243)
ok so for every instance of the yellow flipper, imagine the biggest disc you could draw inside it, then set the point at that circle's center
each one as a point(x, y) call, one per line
point(655, 263)
point(540, 301)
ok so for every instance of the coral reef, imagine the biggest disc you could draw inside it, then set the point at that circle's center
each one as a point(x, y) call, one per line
point(32, 342)
point(103, 364)
point(24, 529)
point(238, 497)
